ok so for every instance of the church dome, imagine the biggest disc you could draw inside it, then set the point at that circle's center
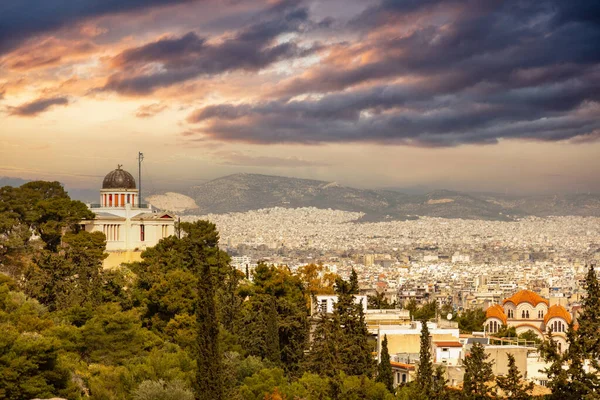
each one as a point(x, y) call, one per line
point(118, 179)
point(557, 311)
point(526, 296)
point(496, 311)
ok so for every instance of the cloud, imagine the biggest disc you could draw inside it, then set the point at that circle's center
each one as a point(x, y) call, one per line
point(176, 59)
point(38, 106)
point(409, 114)
point(23, 19)
point(452, 74)
point(150, 110)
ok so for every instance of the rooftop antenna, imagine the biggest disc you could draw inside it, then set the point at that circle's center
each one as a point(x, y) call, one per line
point(140, 159)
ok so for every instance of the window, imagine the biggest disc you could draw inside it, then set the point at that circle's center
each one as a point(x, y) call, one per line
point(527, 314)
point(128, 198)
point(142, 233)
point(540, 314)
point(511, 314)
point(445, 349)
point(523, 314)
point(110, 200)
point(403, 378)
point(324, 305)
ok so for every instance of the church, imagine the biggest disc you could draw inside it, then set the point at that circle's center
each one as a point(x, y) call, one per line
point(528, 311)
point(130, 227)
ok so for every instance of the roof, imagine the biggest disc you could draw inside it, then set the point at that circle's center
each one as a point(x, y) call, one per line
point(448, 344)
point(526, 296)
point(496, 311)
point(118, 179)
point(557, 311)
point(401, 365)
point(152, 216)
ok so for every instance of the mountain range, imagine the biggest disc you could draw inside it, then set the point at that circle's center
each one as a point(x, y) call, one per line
point(243, 192)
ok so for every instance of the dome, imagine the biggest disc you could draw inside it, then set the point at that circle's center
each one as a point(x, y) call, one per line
point(496, 311)
point(557, 311)
point(526, 296)
point(118, 179)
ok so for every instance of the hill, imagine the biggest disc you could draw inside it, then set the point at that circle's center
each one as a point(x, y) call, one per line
point(243, 192)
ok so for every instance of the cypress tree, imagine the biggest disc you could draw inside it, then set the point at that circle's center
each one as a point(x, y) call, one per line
point(511, 383)
point(478, 372)
point(384, 369)
point(201, 251)
point(589, 320)
point(425, 372)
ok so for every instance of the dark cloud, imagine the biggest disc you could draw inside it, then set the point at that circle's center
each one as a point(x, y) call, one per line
point(190, 56)
point(22, 19)
point(485, 71)
point(38, 106)
point(410, 114)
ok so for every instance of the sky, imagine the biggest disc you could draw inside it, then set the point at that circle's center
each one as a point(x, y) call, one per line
point(476, 95)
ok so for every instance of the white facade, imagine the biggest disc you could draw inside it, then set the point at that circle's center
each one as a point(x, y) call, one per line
point(127, 225)
point(324, 303)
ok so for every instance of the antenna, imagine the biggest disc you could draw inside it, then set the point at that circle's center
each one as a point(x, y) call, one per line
point(140, 159)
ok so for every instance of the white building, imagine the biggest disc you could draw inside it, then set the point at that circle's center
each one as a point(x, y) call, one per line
point(130, 227)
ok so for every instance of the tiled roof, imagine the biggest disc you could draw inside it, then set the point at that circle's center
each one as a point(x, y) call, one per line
point(496, 311)
point(557, 311)
point(448, 344)
point(526, 296)
point(401, 365)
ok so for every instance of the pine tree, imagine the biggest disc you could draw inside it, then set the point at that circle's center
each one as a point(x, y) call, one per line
point(353, 287)
point(478, 372)
point(384, 369)
point(260, 333)
point(425, 372)
point(511, 383)
point(355, 349)
point(324, 356)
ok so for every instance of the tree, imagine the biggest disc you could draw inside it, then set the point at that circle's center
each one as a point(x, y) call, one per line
point(355, 349)
point(201, 249)
point(439, 390)
point(324, 356)
point(471, 321)
point(567, 376)
point(478, 372)
point(161, 390)
point(380, 302)
point(425, 372)
point(260, 336)
point(506, 332)
point(384, 369)
point(511, 384)
point(589, 320)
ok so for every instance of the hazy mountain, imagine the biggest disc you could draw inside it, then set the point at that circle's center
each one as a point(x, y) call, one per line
point(243, 192)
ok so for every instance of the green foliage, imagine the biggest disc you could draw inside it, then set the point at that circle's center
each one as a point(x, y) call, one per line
point(260, 336)
point(324, 356)
point(384, 369)
point(471, 321)
point(511, 384)
point(567, 377)
point(264, 381)
point(478, 372)
point(425, 372)
point(29, 362)
point(506, 332)
point(426, 311)
point(380, 302)
point(161, 390)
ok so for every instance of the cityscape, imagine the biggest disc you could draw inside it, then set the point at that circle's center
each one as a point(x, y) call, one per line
point(299, 200)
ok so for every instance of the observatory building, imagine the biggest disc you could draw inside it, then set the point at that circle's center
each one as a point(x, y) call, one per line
point(130, 226)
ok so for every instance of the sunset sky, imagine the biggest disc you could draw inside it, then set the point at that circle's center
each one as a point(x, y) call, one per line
point(480, 95)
